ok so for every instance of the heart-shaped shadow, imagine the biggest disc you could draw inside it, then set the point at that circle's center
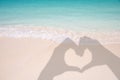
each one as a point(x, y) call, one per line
point(72, 59)
point(100, 56)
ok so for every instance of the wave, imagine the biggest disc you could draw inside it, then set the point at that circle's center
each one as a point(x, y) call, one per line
point(57, 35)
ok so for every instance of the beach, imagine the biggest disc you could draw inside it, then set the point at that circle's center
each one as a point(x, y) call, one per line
point(24, 52)
point(59, 39)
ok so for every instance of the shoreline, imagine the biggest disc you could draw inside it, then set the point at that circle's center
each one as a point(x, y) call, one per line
point(58, 35)
point(24, 52)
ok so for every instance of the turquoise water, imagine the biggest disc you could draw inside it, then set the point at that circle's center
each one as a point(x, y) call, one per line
point(70, 14)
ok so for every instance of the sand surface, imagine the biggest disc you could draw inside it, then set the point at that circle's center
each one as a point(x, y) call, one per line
point(24, 58)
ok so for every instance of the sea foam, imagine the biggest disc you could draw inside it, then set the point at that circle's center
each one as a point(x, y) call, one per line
point(57, 35)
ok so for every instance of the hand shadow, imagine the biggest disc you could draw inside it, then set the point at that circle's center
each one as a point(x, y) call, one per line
point(100, 56)
point(56, 64)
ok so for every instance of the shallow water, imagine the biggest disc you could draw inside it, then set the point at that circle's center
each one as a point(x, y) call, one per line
point(58, 19)
point(58, 35)
point(78, 15)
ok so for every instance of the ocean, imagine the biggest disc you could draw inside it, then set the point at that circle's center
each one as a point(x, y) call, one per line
point(78, 15)
point(58, 19)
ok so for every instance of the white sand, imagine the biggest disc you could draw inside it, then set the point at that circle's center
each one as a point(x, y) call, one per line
point(24, 57)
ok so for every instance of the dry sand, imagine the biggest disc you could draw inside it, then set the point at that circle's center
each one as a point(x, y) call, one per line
point(24, 58)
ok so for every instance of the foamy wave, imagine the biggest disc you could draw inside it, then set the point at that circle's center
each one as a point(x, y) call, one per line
point(57, 35)
point(35, 32)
